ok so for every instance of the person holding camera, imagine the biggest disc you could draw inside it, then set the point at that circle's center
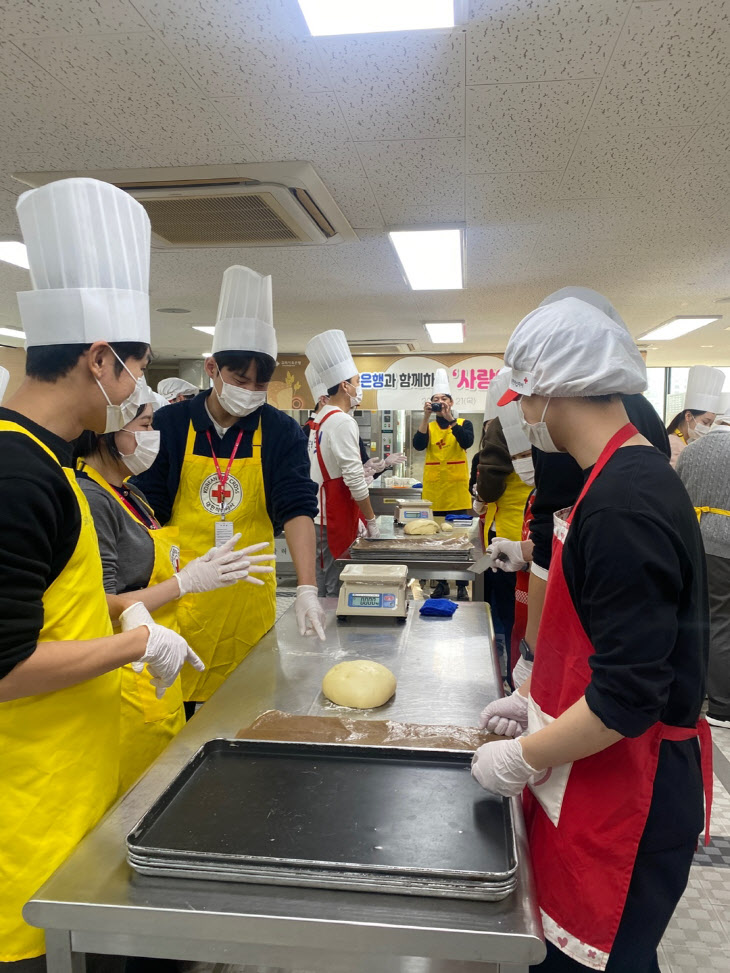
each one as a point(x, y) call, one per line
point(446, 470)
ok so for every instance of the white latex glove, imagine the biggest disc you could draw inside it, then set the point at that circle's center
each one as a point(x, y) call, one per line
point(506, 555)
point(373, 531)
point(222, 566)
point(507, 717)
point(501, 768)
point(369, 479)
point(395, 458)
point(521, 672)
point(166, 652)
point(377, 465)
point(308, 609)
point(361, 529)
point(478, 508)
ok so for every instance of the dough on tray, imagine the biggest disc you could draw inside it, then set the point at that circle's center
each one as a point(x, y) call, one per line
point(359, 685)
point(421, 527)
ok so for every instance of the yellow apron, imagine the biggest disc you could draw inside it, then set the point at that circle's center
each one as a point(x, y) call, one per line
point(222, 626)
point(508, 512)
point(148, 724)
point(59, 752)
point(446, 471)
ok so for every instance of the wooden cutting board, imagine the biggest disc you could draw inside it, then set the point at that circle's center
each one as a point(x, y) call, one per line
point(275, 725)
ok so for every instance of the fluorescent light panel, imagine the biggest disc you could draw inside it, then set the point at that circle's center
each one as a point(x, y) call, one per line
point(206, 329)
point(432, 259)
point(677, 327)
point(13, 333)
point(12, 252)
point(445, 332)
point(327, 17)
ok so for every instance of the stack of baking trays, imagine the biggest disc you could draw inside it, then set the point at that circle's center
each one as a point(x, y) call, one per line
point(414, 547)
point(401, 819)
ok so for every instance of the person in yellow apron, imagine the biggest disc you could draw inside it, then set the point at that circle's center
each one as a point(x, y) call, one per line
point(446, 468)
point(140, 560)
point(230, 463)
point(87, 338)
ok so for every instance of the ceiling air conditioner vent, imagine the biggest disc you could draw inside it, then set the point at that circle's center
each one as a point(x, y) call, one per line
point(373, 346)
point(273, 204)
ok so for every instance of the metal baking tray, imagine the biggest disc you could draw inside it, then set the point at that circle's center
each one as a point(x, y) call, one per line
point(391, 819)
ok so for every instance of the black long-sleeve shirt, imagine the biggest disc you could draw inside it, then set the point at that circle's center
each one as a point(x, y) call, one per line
point(290, 491)
point(40, 523)
point(463, 434)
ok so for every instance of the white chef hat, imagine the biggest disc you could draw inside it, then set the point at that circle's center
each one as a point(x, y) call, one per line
point(509, 416)
point(441, 383)
point(590, 297)
point(89, 255)
point(171, 387)
point(571, 349)
point(316, 385)
point(704, 389)
point(4, 379)
point(245, 319)
point(497, 387)
point(329, 355)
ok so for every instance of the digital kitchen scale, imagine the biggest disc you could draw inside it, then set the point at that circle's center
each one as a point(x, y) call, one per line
point(408, 510)
point(373, 591)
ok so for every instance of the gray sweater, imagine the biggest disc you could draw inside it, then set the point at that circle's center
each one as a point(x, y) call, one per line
point(127, 551)
point(704, 468)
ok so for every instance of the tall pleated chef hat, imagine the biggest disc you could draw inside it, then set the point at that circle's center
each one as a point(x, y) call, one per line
point(329, 355)
point(4, 379)
point(441, 382)
point(89, 255)
point(704, 389)
point(571, 349)
point(245, 319)
point(315, 383)
point(171, 387)
point(590, 297)
point(509, 416)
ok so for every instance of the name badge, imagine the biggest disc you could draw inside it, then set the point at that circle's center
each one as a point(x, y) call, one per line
point(223, 531)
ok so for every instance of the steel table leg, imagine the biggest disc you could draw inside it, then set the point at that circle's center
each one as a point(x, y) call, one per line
point(60, 958)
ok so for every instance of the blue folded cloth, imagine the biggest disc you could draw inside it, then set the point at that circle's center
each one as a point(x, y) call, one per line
point(458, 517)
point(441, 607)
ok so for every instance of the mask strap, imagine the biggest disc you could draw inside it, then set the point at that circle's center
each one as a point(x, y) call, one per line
point(544, 411)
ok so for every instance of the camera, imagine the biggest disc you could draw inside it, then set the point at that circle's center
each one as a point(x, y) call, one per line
point(437, 406)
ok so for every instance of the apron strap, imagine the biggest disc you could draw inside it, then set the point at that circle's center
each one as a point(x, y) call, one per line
point(316, 426)
point(702, 731)
point(710, 510)
point(615, 442)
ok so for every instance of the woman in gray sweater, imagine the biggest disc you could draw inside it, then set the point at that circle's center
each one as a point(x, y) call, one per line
point(704, 468)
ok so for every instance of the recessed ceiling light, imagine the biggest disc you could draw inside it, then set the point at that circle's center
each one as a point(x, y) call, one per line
point(13, 333)
point(205, 328)
point(12, 252)
point(445, 332)
point(432, 260)
point(677, 327)
point(173, 310)
point(327, 17)
point(707, 346)
point(207, 354)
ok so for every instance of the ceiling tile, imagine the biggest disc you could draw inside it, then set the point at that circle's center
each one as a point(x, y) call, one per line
point(709, 145)
point(234, 20)
point(306, 128)
point(620, 163)
point(510, 197)
point(497, 253)
point(416, 181)
point(396, 86)
point(541, 40)
point(701, 191)
point(671, 66)
point(135, 83)
point(8, 219)
point(34, 18)
point(524, 127)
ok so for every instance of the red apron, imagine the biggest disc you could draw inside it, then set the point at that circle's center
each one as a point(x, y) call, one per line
point(335, 501)
point(522, 584)
point(585, 819)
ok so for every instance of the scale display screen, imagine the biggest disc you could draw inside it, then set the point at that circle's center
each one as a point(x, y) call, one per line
point(415, 514)
point(374, 600)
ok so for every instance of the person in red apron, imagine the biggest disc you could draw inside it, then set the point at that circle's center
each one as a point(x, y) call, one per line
point(611, 756)
point(336, 464)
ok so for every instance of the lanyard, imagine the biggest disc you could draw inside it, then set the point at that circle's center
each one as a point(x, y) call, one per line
point(138, 514)
point(223, 477)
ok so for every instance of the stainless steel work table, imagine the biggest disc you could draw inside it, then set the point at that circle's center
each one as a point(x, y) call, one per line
point(94, 903)
point(427, 570)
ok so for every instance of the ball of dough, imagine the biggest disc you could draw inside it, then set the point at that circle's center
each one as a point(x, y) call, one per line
point(421, 527)
point(447, 526)
point(359, 685)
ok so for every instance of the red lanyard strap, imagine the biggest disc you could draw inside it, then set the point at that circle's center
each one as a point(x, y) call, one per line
point(615, 442)
point(223, 477)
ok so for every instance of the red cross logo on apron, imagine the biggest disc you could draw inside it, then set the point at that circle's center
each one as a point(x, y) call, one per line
point(220, 494)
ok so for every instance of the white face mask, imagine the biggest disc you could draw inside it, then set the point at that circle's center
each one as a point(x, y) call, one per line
point(239, 402)
point(697, 431)
point(537, 432)
point(355, 399)
point(145, 452)
point(118, 416)
point(524, 468)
